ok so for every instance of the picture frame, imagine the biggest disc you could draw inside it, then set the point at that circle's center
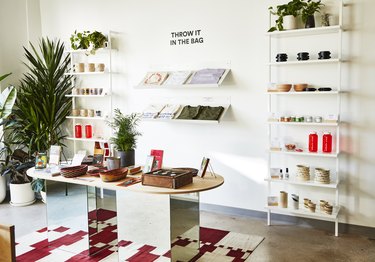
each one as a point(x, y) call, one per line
point(158, 158)
point(149, 164)
point(203, 168)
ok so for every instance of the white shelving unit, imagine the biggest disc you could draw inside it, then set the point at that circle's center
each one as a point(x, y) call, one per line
point(105, 56)
point(274, 39)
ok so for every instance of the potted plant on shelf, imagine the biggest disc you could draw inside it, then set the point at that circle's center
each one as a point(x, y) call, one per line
point(286, 14)
point(89, 41)
point(125, 136)
point(308, 12)
point(41, 106)
point(8, 97)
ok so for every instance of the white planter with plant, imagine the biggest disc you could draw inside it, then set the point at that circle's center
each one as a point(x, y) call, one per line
point(287, 15)
point(21, 194)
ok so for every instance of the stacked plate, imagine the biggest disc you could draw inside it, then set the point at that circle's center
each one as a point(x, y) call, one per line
point(303, 173)
point(303, 56)
point(324, 55)
point(322, 176)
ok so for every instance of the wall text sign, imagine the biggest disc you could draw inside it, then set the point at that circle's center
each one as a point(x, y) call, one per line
point(186, 37)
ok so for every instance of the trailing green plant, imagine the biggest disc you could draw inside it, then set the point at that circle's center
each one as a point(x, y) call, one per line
point(86, 40)
point(293, 8)
point(125, 127)
point(42, 106)
point(310, 9)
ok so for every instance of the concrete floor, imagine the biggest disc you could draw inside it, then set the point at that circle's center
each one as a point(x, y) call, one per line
point(282, 242)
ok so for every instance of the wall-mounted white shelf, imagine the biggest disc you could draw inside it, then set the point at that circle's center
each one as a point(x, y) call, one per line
point(318, 154)
point(86, 118)
point(89, 96)
point(304, 212)
point(185, 86)
point(86, 73)
point(306, 31)
point(306, 62)
point(83, 51)
point(332, 185)
point(292, 93)
point(301, 123)
point(88, 139)
point(190, 121)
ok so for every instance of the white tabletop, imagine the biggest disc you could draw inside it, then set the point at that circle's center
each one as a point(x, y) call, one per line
point(199, 184)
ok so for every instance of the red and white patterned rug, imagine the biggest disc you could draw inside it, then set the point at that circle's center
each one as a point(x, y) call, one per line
point(215, 245)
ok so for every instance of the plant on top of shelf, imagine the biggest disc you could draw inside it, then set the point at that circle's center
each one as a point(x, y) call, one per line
point(125, 136)
point(308, 12)
point(287, 12)
point(89, 41)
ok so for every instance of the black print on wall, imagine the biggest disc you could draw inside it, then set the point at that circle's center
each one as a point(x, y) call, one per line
point(186, 37)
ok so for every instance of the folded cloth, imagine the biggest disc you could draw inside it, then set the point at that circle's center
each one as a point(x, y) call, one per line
point(210, 113)
point(189, 112)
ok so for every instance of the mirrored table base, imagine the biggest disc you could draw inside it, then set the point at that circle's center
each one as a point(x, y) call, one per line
point(95, 224)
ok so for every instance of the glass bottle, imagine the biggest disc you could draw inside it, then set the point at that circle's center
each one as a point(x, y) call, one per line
point(313, 142)
point(78, 131)
point(327, 142)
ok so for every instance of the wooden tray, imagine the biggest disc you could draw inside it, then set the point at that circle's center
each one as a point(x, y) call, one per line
point(167, 178)
point(114, 174)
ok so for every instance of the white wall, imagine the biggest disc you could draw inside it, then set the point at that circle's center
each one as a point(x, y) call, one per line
point(234, 33)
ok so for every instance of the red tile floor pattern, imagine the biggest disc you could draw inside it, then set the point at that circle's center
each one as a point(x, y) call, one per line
point(209, 239)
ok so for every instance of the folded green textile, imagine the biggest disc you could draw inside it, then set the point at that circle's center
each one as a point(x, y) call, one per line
point(210, 112)
point(189, 112)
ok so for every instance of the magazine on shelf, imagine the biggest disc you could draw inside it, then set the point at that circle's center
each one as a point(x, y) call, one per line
point(155, 78)
point(177, 78)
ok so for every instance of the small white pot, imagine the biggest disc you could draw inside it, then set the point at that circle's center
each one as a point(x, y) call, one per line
point(21, 194)
point(3, 188)
point(289, 22)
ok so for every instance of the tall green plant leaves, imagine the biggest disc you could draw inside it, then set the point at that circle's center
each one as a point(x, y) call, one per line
point(42, 105)
point(8, 97)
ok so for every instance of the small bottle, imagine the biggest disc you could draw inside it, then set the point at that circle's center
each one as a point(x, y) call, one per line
point(88, 131)
point(286, 173)
point(78, 131)
point(313, 142)
point(327, 142)
point(281, 176)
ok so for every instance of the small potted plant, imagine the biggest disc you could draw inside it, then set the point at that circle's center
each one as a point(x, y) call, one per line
point(308, 12)
point(125, 136)
point(287, 14)
point(89, 41)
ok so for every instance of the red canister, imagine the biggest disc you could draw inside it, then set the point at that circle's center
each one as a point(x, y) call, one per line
point(327, 142)
point(313, 142)
point(78, 131)
point(88, 131)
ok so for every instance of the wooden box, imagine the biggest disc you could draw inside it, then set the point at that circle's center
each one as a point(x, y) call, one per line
point(167, 178)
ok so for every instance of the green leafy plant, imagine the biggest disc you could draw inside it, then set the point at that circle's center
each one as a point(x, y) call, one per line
point(86, 40)
point(126, 133)
point(42, 105)
point(310, 9)
point(293, 8)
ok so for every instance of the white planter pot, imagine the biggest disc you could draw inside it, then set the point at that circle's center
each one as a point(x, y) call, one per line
point(289, 22)
point(3, 188)
point(21, 194)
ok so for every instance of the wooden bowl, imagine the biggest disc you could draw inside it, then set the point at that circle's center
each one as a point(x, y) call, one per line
point(299, 87)
point(283, 87)
point(114, 174)
point(73, 171)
